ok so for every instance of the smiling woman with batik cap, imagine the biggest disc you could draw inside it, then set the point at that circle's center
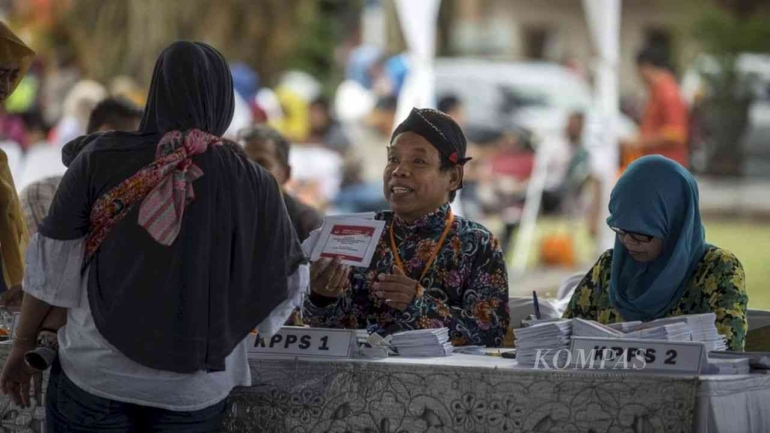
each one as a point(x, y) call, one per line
point(431, 268)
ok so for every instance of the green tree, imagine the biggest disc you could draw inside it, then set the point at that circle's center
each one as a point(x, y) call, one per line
point(725, 30)
point(113, 37)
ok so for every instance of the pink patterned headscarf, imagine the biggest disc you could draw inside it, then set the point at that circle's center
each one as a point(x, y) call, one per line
point(164, 189)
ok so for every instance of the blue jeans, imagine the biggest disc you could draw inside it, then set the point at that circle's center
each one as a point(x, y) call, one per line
point(70, 409)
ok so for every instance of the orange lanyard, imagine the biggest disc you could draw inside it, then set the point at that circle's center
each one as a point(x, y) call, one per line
point(450, 219)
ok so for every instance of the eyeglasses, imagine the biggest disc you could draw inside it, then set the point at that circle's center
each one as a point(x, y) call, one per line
point(638, 237)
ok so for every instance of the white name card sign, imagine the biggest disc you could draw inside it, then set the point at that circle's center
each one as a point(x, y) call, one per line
point(685, 357)
point(293, 341)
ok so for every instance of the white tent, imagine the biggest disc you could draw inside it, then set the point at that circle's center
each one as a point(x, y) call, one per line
point(603, 17)
point(419, 20)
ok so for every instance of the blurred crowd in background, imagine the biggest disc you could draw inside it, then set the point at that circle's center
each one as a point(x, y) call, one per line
point(335, 100)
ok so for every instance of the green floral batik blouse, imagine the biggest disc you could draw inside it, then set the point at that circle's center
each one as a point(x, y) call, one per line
point(718, 286)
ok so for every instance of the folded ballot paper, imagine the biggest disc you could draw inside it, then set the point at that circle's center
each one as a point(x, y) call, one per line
point(350, 237)
point(423, 343)
point(554, 335)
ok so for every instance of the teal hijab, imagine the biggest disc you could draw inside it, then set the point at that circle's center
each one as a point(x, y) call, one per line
point(657, 197)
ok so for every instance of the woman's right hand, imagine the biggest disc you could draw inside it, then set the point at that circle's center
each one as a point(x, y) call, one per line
point(329, 277)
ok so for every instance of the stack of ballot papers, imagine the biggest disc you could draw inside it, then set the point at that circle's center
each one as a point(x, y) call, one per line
point(728, 366)
point(589, 328)
point(625, 326)
point(678, 331)
point(704, 328)
point(758, 361)
point(423, 342)
point(550, 335)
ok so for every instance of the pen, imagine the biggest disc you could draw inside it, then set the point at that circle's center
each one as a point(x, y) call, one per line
point(536, 305)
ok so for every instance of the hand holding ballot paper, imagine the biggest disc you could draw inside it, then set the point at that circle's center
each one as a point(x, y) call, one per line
point(343, 241)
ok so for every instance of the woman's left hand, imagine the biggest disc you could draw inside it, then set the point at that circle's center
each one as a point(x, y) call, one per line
point(17, 376)
point(397, 289)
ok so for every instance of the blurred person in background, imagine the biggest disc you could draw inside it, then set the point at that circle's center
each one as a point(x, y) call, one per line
point(36, 129)
point(112, 114)
point(661, 265)
point(452, 106)
point(580, 180)
point(15, 58)
point(664, 126)
point(325, 129)
point(268, 148)
point(78, 104)
point(118, 269)
point(61, 75)
point(126, 87)
point(382, 117)
point(431, 269)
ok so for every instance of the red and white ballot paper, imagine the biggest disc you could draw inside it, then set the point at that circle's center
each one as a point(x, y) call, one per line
point(351, 238)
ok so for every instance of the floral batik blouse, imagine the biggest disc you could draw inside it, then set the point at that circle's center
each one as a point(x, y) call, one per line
point(465, 290)
point(717, 286)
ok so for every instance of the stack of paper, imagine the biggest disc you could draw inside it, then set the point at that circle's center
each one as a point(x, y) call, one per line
point(625, 326)
point(589, 328)
point(679, 331)
point(551, 335)
point(531, 320)
point(703, 327)
point(758, 361)
point(728, 366)
point(423, 342)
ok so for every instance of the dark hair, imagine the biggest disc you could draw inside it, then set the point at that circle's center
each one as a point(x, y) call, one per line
point(115, 112)
point(34, 121)
point(654, 56)
point(235, 147)
point(321, 101)
point(387, 103)
point(448, 103)
point(266, 133)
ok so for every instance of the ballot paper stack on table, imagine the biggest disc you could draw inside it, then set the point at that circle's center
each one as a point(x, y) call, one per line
point(423, 343)
point(759, 362)
point(724, 366)
point(544, 336)
point(702, 327)
point(679, 331)
point(589, 328)
point(625, 326)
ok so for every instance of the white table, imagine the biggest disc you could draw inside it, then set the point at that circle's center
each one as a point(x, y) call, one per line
point(466, 393)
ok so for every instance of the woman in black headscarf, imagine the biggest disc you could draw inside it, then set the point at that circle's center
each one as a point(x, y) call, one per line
point(167, 249)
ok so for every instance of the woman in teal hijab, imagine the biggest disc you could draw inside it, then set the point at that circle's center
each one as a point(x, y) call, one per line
point(661, 265)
